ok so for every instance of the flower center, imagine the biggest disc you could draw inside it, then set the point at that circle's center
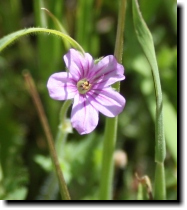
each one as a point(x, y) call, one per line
point(83, 86)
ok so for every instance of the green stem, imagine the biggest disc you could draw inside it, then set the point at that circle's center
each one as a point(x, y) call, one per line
point(111, 123)
point(41, 21)
point(107, 160)
point(160, 147)
point(159, 189)
point(63, 127)
point(64, 109)
point(10, 38)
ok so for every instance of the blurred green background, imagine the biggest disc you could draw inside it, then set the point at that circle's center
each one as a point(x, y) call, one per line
point(25, 167)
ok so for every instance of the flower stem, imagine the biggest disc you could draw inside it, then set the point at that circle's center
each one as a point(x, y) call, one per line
point(111, 123)
point(63, 128)
point(107, 160)
point(36, 99)
point(64, 109)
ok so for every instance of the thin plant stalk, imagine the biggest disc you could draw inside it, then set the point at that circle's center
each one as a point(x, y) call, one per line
point(36, 99)
point(111, 123)
point(51, 188)
point(43, 48)
point(159, 188)
point(64, 127)
point(43, 45)
point(146, 41)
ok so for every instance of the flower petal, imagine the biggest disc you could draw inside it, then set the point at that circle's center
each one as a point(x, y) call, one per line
point(106, 72)
point(78, 64)
point(84, 117)
point(107, 101)
point(61, 86)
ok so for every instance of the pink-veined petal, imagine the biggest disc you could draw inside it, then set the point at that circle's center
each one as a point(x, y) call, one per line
point(61, 86)
point(106, 72)
point(77, 64)
point(84, 117)
point(107, 101)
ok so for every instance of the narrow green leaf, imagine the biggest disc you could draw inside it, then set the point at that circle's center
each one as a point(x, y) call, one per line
point(145, 39)
point(141, 66)
point(9, 39)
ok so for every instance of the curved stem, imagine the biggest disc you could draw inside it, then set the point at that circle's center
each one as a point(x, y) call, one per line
point(10, 38)
point(64, 127)
point(64, 109)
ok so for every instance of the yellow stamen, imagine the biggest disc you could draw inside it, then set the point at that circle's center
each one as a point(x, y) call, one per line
point(83, 86)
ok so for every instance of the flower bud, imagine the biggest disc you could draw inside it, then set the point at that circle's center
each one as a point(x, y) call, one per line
point(66, 126)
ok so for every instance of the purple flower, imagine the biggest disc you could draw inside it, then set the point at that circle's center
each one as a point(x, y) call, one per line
point(89, 84)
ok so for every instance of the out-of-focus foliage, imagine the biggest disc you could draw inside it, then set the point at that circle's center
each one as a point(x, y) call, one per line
point(25, 167)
